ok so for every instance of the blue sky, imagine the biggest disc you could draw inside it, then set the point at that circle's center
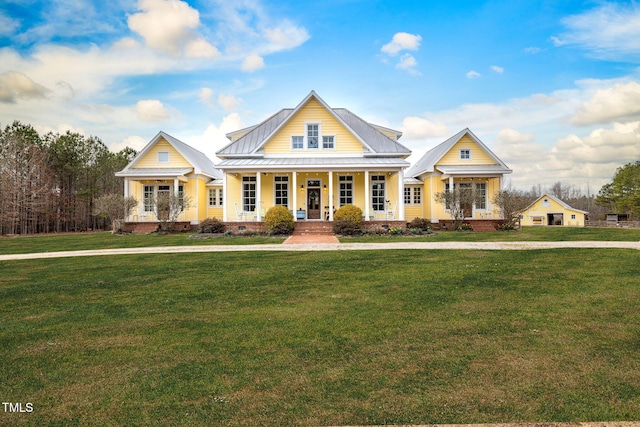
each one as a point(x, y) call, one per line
point(552, 87)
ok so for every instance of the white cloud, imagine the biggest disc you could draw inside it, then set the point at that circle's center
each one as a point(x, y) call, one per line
point(402, 41)
point(497, 69)
point(532, 50)
point(228, 102)
point(14, 85)
point(512, 136)
point(252, 63)
point(214, 137)
point(135, 142)
point(200, 48)
point(7, 25)
point(617, 103)
point(206, 96)
point(421, 128)
point(169, 26)
point(473, 74)
point(611, 30)
point(409, 64)
point(285, 36)
point(152, 110)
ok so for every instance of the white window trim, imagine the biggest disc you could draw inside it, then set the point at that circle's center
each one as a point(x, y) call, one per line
point(465, 158)
point(168, 157)
point(334, 142)
point(372, 182)
point(412, 195)
point(217, 195)
point(288, 189)
point(303, 142)
point(353, 188)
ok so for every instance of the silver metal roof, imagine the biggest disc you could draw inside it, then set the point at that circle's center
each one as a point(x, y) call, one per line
point(433, 156)
point(554, 198)
point(201, 163)
point(374, 141)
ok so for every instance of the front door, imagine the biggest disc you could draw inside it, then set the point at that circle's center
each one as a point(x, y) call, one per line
point(162, 202)
point(466, 199)
point(314, 194)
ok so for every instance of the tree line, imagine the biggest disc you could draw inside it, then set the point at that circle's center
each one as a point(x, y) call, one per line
point(50, 183)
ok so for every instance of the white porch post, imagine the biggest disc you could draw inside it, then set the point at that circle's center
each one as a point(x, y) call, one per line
point(224, 197)
point(401, 194)
point(294, 180)
point(126, 194)
point(258, 191)
point(330, 195)
point(366, 195)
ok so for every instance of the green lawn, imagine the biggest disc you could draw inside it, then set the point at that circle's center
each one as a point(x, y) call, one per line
point(525, 234)
point(322, 338)
point(106, 240)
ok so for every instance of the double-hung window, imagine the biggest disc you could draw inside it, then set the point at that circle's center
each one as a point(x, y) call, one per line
point(313, 132)
point(345, 183)
point(377, 193)
point(281, 185)
point(249, 193)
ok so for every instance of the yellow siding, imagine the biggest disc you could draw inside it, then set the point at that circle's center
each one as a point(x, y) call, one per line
point(538, 210)
point(233, 196)
point(313, 112)
point(411, 212)
point(150, 160)
point(437, 210)
point(478, 156)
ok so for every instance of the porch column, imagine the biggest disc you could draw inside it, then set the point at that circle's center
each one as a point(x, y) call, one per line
point(330, 195)
point(400, 194)
point(258, 191)
point(294, 193)
point(366, 195)
point(224, 197)
point(126, 194)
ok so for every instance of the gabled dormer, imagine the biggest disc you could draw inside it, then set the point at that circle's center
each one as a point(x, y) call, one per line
point(314, 129)
point(463, 153)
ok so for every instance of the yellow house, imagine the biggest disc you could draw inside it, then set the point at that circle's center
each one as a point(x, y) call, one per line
point(165, 165)
point(313, 159)
point(461, 162)
point(549, 210)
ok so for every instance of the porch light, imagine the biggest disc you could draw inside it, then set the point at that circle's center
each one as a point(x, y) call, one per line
point(302, 186)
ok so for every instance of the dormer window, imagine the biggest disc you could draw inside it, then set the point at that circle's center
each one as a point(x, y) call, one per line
point(313, 132)
point(465, 154)
point(163, 157)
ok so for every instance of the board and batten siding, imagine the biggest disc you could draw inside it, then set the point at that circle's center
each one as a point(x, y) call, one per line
point(313, 112)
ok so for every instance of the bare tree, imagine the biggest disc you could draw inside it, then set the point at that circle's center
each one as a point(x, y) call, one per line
point(457, 201)
point(116, 207)
point(511, 202)
point(169, 206)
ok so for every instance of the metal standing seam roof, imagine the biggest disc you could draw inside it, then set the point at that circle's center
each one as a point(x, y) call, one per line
point(201, 163)
point(555, 199)
point(428, 161)
point(379, 143)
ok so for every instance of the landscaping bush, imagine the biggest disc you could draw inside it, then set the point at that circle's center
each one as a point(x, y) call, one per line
point(422, 223)
point(279, 220)
point(347, 220)
point(211, 225)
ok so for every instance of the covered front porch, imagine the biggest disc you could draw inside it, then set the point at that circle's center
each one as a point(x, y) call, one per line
point(313, 195)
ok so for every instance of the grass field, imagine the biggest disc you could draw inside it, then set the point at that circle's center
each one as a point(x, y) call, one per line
point(322, 338)
point(106, 240)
